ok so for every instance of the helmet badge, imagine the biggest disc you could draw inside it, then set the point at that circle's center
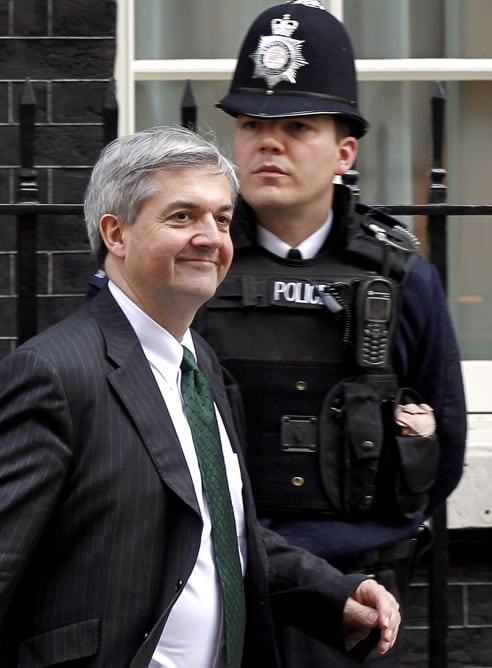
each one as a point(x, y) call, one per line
point(316, 4)
point(278, 56)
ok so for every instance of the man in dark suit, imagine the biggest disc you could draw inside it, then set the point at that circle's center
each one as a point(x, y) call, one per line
point(107, 551)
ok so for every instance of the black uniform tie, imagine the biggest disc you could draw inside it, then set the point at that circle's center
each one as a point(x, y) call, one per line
point(294, 254)
point(200, 412)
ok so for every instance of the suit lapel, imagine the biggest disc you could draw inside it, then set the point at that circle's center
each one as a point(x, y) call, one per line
point(133, 381)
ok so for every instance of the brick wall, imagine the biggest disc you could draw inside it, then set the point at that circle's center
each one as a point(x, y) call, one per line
point(67, 50)
point(469, 605)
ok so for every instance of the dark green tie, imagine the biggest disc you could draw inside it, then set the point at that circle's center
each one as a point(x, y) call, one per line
point(203, 424)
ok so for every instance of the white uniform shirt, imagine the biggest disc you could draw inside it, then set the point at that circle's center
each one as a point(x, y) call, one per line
point(308, 248)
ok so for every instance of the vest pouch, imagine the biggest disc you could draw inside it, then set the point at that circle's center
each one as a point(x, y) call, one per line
point(418, 462)
point(351, 439)
point(416, 458)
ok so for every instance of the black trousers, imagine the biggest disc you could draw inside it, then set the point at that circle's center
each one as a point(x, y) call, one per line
point(298, 650)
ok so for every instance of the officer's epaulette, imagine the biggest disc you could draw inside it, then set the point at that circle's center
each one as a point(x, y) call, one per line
point(382, 241)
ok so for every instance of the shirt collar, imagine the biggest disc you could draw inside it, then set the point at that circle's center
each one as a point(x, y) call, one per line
point(309, 248)
point(160, 347)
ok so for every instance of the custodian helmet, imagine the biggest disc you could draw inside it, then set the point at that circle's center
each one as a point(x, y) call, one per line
point(296, 60)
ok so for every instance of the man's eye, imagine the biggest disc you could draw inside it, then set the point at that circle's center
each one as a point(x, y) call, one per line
point(249, 125)
point(223, 222)
point(298, 127)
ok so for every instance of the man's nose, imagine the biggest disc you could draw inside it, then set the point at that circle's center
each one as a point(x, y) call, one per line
point(270, 139)
point(208, 231)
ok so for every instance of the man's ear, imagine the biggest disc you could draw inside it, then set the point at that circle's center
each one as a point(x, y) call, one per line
point(112, 233)
point(347, 152)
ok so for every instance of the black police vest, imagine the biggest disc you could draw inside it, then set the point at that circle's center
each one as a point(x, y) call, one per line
point(295, 336)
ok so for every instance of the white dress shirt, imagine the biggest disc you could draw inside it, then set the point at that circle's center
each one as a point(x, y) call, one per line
point(193, 635)
point(308, 248)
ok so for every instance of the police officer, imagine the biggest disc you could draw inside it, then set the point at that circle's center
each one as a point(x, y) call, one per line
point(329, 321)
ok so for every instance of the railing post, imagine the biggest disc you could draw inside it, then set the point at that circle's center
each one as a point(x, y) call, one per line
point(438, 190)
point(110, 114)
point(188, 107)
point(438, 564)
point(27, 222)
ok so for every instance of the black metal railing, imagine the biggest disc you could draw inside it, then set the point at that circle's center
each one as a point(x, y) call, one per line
point(27, 210)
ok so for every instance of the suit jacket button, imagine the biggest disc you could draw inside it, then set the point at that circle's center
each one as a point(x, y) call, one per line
point(179, 584)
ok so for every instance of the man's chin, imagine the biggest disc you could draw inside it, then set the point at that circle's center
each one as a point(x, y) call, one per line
point(265, 198)
point(200, 292)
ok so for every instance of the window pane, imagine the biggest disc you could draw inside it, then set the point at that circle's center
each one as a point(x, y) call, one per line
point(192, 28)
point(158, 102)
point(395, 158)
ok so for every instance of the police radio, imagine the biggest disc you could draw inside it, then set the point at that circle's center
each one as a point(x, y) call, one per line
point(375, 315)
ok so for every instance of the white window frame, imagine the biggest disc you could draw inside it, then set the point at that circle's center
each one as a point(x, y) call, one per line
point(129, 70)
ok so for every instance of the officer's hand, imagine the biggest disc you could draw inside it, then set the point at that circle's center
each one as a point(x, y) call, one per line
point(371, 606)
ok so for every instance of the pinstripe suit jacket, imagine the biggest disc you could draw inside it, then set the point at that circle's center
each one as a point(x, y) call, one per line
point(99, 524)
